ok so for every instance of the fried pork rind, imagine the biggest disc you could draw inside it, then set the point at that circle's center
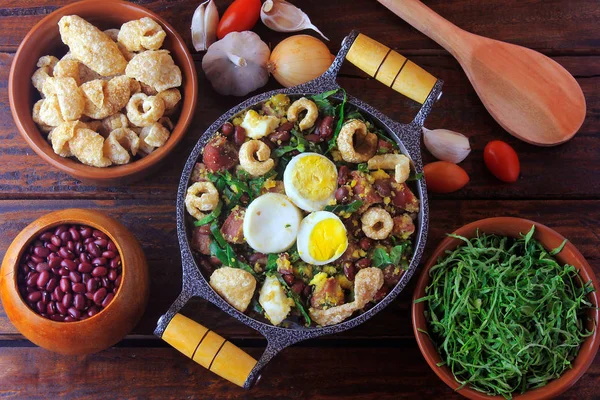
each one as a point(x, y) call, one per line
point(235, 285)
point(134, 87)
point(366, 284)
point(37, 119)
point(145, 110)
point(201, 197)
point(113, 34)
point(87, 146)
point(113, 122)
point(171, 97)
point(68, 69)
point(141, 34)
point(91, 46)
point(70, 97)
point(103, 99)
point(155, 68)
point(49, 113)
point(119, 143)
point(45, 70)
point(60, 137)
point(155, 135)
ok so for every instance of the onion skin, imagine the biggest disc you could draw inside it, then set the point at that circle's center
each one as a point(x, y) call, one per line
point(299, 59)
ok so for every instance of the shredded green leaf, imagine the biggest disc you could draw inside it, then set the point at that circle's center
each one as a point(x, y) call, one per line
point(224, 252)
point(363, 167)
point(346, 208)
point(505, 316)
point(294, 296)
point(210, 217)
point(382, 259)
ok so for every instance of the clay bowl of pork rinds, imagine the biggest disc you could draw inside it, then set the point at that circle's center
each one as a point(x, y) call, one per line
point(103, 101)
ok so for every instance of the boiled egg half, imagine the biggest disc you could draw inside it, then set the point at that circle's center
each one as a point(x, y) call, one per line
point(310, 181)
point(321, 238)
point(271, 223)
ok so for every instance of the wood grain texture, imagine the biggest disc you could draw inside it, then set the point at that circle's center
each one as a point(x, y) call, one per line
point(552, 26)
point(300, 372)
point(153, 223)
point(379, 359)
point(546, 173)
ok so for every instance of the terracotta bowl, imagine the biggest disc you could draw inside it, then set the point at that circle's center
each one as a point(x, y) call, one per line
point(103, 329)
point(44, 39)
point(550, 239)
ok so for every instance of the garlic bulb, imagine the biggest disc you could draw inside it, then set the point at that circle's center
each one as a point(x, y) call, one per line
point(299, 59)
point(204, 25)
point(237, 64)
point(282, 16)
point(446, 145)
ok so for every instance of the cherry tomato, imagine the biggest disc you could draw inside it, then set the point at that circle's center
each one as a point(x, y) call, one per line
point(502, 161)
point(241, 15)
point(444, 177)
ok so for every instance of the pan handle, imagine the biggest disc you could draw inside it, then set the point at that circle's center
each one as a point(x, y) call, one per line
point(209, 349)
point(391, 68)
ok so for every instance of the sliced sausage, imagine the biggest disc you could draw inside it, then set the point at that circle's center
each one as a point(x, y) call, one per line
point(404, 198)
point(233, 227)
point(201, 240)
point(220, 154)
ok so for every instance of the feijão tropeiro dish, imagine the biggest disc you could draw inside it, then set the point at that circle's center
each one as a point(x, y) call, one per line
point(301, 211)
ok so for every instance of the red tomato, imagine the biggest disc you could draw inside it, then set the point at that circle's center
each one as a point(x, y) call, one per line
point(444, 177)
point(502, 161)
point(241, 15)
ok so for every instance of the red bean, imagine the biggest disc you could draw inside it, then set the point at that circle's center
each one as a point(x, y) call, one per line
point(111, 246)
point(34, 297)
point(365, 243)
point(65, 253)
point(85, 267)
point(342, 194)
point(65, 236)
point(99, 261)
point(61, 308)
point(67, 300)
point(86, 232)
point(115, 262)
point(41, 307)
point(288, 278)
point(94, 250)
point(41, 267)
point(100, 295)
point(41, 251)
point(92, 285)
point(46, 236)
point(54, 262)
point(84, 257)
point(99, 271)
point(239, 136)
point(32, 280)
point(109, 297)
point(75, 277)
point(56, 241)
point(79, 301)
point(63, 272)
point(58, 294)
point(52, 284)
point(51, 247)
point(88, 240)
point(51, 308)
point(74, 313)
point(37, 259)
point(363, 263)
point(60, 229)
point(71, 246)
point(101, 243)
point(65, 285)
point(112, 275)
point(298, 287)
point(118, 281)
point(93, 310)
point(78, 287)
point(69, 264)
point(227, 128)
point(109, 254)
point(86, 277)
point(349, 271)
point(74, 234)
point(99, 235)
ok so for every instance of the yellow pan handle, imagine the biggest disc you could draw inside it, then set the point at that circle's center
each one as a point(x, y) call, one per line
point(209, 349)
point(391, 68)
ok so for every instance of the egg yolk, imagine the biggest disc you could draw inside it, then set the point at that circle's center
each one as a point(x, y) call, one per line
point(314, 177)
point(327, 240)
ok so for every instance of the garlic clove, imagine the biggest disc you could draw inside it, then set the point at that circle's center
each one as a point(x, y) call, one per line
point(204, 25)
point(446, 145)
point(281, 16)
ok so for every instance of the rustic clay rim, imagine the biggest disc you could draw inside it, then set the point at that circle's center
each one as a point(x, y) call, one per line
point(56, 218)
point(550, 239)
point(21, 108)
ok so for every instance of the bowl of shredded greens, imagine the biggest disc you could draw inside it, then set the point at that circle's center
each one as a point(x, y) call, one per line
point(506, 308)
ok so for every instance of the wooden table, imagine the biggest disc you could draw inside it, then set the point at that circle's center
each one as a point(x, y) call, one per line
point(559, 187)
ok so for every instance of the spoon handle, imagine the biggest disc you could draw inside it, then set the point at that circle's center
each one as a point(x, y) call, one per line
point(431, 24)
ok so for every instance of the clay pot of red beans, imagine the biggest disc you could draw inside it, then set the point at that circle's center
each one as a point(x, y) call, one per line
point(74, 281)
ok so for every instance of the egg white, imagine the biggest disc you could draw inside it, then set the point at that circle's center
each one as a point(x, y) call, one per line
point(304, 241)
point(291, 188)
point(271, 223)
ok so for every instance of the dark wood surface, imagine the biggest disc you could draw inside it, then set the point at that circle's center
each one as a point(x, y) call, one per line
point(559, 187)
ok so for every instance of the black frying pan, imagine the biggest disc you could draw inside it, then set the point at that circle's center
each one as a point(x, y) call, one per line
point(211, 350)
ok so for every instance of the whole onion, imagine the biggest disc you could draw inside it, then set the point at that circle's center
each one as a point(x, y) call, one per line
point(299, 59)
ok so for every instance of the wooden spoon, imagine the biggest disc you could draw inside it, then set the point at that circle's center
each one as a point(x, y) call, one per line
point(530, 95)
